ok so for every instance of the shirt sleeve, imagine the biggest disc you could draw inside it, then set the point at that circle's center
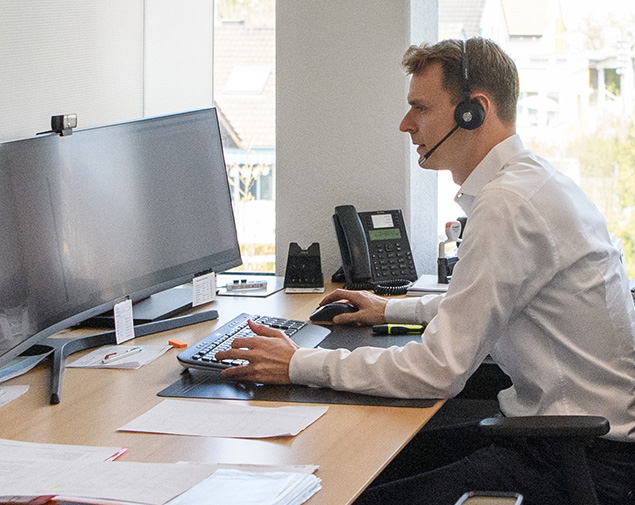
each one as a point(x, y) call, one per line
point(506, 256)
point(415, 310)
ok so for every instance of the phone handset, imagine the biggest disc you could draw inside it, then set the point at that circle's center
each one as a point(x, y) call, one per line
point(353, 247)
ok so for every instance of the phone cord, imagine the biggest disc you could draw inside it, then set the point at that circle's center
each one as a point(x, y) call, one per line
point(393, 287)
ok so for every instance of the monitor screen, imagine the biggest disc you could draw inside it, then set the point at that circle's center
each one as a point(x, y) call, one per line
point(121, 210)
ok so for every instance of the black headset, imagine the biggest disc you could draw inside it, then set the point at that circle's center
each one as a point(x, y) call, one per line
point(469, 114)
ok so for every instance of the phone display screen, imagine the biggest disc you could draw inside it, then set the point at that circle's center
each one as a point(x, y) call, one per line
point(385, 234)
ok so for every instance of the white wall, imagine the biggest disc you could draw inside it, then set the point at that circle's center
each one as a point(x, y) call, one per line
point(64, 56)
point(341, 94)
point(179, 55)
point(101, 59)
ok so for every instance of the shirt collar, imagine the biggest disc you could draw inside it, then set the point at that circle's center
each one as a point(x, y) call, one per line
point(487, 170)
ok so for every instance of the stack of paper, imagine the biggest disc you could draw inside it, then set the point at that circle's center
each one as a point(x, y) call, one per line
point(229, 486)
point(155, 483)
point(427, 285)
point(87, 475)
point(142, 483)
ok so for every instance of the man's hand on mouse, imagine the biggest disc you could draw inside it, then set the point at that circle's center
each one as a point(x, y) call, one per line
point(371, 307)
point(269, 356)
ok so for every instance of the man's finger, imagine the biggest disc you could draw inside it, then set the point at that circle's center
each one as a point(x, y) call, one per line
point(346, 318)
point(233, 353)
point(336, 296)
point(265, 331)
point(240, 372)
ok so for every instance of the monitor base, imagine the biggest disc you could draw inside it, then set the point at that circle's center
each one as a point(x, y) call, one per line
point(159, 306)
point(61, 348)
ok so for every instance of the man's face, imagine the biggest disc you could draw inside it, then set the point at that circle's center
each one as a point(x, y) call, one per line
point(431, 117)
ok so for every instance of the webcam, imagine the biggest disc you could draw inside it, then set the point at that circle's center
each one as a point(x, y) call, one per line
point(62, 125)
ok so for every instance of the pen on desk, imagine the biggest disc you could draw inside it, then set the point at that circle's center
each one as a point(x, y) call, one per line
point(398, 329)
point(114, 356)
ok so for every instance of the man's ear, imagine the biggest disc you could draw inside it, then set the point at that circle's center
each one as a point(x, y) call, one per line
point(484, 100)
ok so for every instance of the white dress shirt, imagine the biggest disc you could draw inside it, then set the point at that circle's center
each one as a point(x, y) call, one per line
point(539, 287)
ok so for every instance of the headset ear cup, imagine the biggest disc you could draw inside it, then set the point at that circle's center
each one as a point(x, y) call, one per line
point(469, 115)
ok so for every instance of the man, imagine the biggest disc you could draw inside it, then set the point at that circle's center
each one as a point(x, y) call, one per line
point(539, 287)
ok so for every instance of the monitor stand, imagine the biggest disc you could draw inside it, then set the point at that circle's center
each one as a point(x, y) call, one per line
point(159, 306)
point(61, 348)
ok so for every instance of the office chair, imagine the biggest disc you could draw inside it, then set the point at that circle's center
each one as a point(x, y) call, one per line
point(570, 433)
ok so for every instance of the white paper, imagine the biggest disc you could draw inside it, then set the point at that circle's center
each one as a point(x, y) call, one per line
point(145, 483)
point(17, 451)
point(95, 358)
point(124, 323)
point(10, 393)
point(427, 284)
point(231, 487)
point(27, 454)
point(78, 473)
point(204, 289)
point(220, 419)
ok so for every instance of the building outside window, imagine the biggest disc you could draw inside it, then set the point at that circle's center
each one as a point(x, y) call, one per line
point(244, 94)
point(576, 106)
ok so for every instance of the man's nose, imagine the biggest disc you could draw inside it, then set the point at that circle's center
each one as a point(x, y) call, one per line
point(406, 125)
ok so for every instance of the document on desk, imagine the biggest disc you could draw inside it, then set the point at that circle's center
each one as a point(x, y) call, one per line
point(139, 483)
point(95, 359)
point(79, 473)
point(17, 451)
point(427, 285)
point(24, 454)
point(9, 393)
point(221, 419)
point(231, 486)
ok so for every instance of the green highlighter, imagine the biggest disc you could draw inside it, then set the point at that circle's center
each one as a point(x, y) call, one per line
point(398, 329)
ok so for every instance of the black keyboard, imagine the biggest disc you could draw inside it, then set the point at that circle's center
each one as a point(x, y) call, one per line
point(203, 353)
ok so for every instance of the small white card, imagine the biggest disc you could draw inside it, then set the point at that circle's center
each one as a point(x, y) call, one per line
point(382, 221)
point(204, 289)
point(124, 323)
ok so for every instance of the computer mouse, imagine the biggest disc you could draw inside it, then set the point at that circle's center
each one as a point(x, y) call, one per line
point(326, 313)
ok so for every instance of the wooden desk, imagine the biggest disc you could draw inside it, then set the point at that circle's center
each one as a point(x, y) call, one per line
point(351, 444)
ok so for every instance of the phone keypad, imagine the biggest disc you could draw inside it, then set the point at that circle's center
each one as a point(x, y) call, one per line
point(392, 260)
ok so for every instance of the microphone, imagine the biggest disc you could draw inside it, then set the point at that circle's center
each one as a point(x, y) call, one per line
point(425, 157)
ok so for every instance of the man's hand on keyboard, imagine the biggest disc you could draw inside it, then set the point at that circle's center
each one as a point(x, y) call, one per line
point(269, 355)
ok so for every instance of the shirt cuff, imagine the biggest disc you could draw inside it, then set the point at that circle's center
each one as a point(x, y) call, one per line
point(415, 310)
point(307, 365)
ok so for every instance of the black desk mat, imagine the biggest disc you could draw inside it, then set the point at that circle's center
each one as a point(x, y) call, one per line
point(196, 383)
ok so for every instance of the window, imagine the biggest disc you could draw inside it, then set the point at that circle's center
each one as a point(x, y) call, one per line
point(244, 94)
point(577, 92)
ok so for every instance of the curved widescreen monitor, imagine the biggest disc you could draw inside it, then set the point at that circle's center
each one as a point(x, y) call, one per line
point(129, 209)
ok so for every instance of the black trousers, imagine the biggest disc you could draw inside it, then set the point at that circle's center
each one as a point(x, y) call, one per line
point(441, 464)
